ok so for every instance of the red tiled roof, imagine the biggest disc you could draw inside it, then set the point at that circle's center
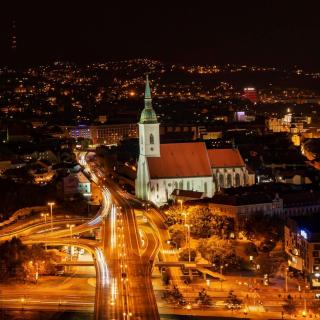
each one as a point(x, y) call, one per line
point(180, 160)
point(220, 158)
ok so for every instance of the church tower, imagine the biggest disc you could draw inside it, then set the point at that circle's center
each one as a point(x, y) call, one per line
point(149, 144)
point(149, 133)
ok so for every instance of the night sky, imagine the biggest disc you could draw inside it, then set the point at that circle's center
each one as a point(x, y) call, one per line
point(261, 32)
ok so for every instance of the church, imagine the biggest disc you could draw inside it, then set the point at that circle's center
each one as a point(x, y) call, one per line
point(164, 169)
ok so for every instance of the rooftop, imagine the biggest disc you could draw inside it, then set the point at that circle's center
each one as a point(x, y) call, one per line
point(245, 199)
point(180, 160)
point(220, 158)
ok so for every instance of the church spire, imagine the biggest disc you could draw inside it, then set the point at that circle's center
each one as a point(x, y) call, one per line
point(148, 115)
point(147, 91)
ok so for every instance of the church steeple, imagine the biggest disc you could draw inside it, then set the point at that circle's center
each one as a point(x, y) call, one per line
point(149, 135)
point(147, 91)
point(148, 115)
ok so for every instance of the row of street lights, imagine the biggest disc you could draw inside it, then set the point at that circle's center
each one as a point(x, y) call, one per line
point(45, 215)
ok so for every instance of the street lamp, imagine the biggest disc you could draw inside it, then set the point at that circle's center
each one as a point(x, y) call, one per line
point(286, 283)
point(304, 312)
point(185, 214)
point(70, 226)
point(45, 215)
point(188, 239)
point(51, 204)
point(181, 203)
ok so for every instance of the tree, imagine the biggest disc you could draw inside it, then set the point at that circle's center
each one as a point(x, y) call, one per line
point(174, 215)
point(184, 255)
point(262, 226)
point(290, 305)
point(165, 277)
point(315, 307)
point(203, 298)
point(219, 252)
point(201, 221)
point(20, 262)
point(175, 295)
point(233, 301)
point(204, 223)
point(178, 235)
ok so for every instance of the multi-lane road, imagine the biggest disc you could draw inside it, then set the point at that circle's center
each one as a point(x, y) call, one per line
point(129, 268)
point(122, 260)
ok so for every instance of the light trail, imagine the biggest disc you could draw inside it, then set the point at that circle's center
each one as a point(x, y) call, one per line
point(113, 234)
point(103, 267)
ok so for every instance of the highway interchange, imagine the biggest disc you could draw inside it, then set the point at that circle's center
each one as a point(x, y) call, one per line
point(123, 258)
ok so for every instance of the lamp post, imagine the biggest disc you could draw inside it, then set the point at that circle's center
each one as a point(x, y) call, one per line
point(45, 215)
point(286, 282)
point(188, 240)
point(304, 312)
point(51, 204)
point(181, 203)
point(185, 217)
point(70, 226)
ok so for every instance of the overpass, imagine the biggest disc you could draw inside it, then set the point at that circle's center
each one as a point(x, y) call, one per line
point(76, 263)
point(201, 267)
point(185, 264)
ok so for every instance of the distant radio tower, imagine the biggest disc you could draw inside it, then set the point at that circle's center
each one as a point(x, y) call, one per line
point(13, 37)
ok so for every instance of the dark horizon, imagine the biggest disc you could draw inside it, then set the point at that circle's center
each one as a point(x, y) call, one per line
point(242, 33)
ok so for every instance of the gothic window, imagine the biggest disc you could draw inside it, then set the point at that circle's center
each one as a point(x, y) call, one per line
point(141, 139)
point(188, 185)
point(151, 139)
point(229, 180)
point(237, 179)
point(181, 185)
point(221, 180)
point(205, 188)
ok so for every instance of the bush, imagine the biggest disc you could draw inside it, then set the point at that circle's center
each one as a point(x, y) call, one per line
point(184, 255)
point(178, 235)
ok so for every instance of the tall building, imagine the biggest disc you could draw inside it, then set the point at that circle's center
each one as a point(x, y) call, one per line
point(107, 134)
point(302, 245)
point(250, 93)
point(149, 132)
